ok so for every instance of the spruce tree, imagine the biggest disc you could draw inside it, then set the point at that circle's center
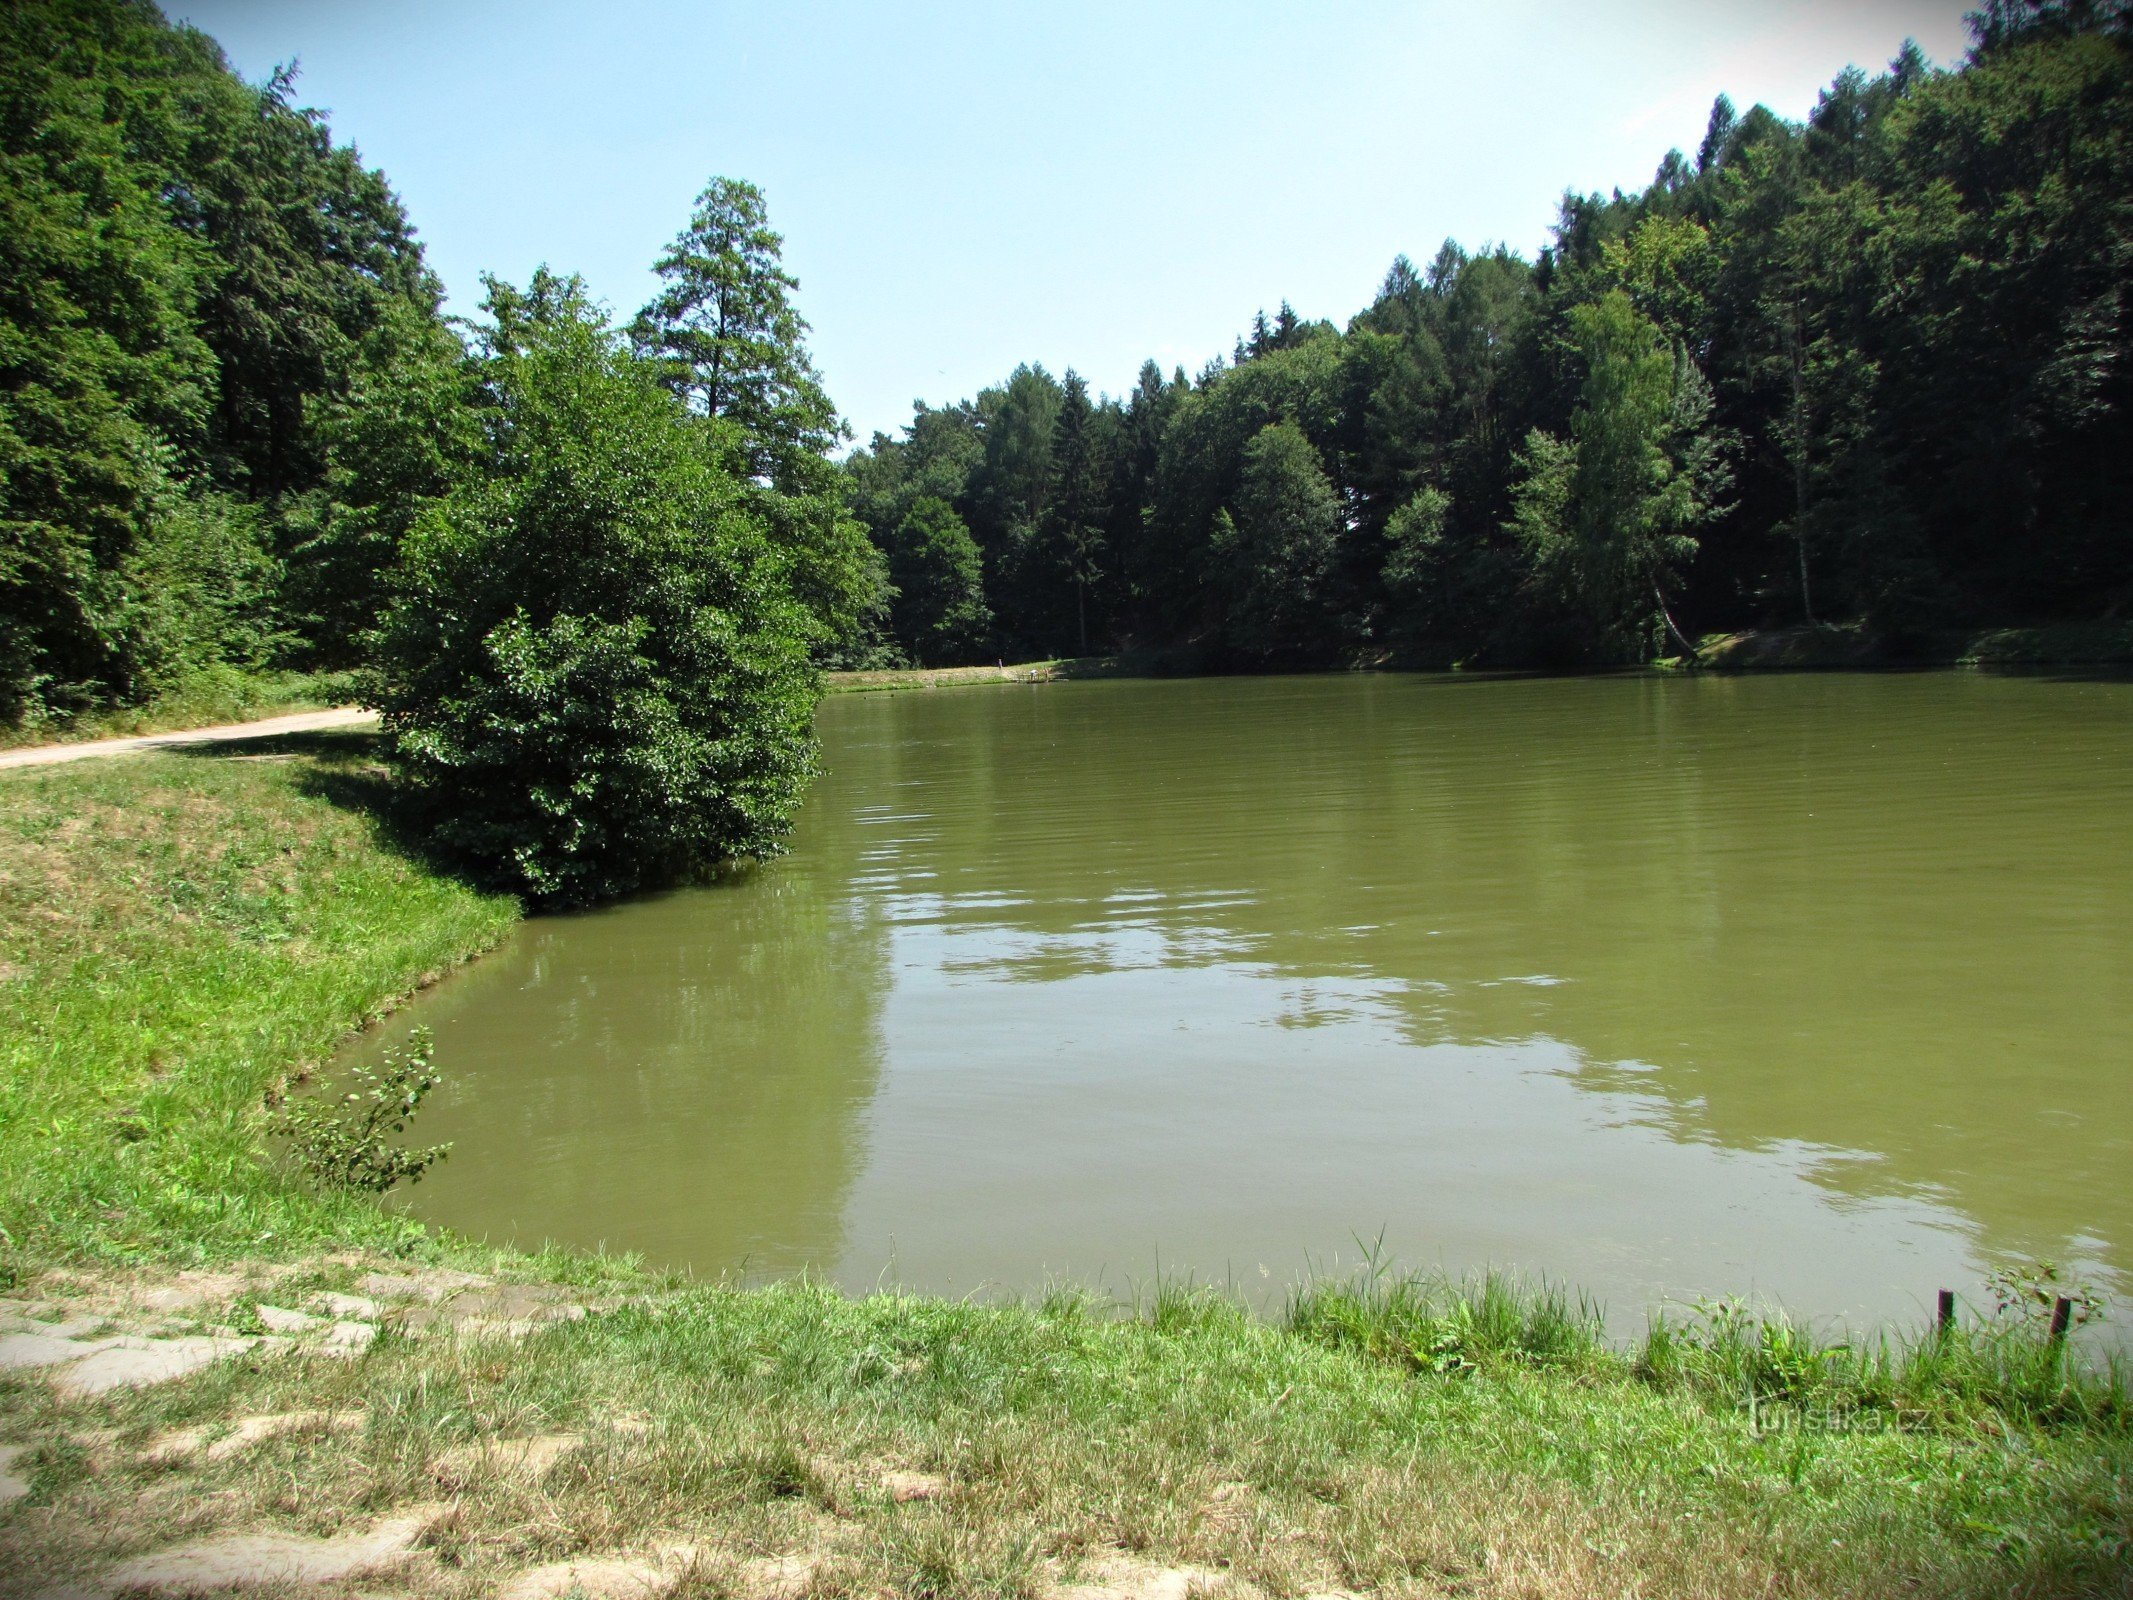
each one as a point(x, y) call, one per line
point(729, 336)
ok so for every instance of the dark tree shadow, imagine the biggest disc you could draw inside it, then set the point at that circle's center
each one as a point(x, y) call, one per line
point(346, 767)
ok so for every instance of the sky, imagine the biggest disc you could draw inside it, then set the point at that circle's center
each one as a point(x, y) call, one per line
point(964, 187)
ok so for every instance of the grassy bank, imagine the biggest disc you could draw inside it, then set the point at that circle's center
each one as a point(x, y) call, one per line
point(182, 930)
point(790, 1440)
point(1836, 646)
point(214, 697)
point(892, 678)
point(179, 932)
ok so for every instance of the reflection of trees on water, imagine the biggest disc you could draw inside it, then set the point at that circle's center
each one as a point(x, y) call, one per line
point(1877, 916)
point(685, 1076)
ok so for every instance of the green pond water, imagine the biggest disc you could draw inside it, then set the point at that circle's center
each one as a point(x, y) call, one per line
point(1814, 988)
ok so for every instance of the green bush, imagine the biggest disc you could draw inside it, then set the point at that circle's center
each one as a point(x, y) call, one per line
point(592, 666)
point(196, 592)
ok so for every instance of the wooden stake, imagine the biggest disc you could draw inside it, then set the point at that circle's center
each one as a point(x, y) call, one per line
point(1946, 1321)
point(2062, 1317)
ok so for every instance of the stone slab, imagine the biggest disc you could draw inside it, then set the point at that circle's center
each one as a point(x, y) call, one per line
point(347, 1339)
point(138, 1363)
point(44, 1350)
point(276, 1319)
point(235, 1560)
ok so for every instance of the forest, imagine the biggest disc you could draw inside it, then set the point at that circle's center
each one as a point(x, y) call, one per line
point(1873, 369)
point(231, 402)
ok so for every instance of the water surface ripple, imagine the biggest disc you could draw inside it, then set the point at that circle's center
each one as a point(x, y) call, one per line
point(1818, 988)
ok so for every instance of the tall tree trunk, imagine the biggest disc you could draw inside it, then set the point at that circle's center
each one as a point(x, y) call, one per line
point(1688, 651)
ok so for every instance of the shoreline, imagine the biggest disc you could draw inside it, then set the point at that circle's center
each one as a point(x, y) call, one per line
point(219, 712)
point(894, 679)
point(1850, 647)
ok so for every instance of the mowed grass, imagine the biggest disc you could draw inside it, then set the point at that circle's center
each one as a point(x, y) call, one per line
point(183, 932)
point(178, 934)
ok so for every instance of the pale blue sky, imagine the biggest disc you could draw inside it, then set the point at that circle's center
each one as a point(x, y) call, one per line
point(962, 187)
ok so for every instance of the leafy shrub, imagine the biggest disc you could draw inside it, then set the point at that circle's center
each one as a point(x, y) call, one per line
point(197, 591)
point(347, 1142)
point(592, 666)
point(2028, 1292)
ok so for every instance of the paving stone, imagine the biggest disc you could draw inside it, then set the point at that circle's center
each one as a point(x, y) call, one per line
point(432, 1283)
point(225, 1440)
point(778, 1576)
point(13, 1485)
point(609, 1578)
point(277, 1320)
point(137, 1363)
point(191, 1290)
point(232, 1560)
point(639, 1577)
point(1124, 1578)
point(63, 1328)
point(512, 1311)
point(43, 1350)
point(347, 1339)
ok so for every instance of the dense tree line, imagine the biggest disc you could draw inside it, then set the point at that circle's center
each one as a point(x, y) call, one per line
point(1873, 366)
point(226, 385)
point(587, 570)
point(192, 275)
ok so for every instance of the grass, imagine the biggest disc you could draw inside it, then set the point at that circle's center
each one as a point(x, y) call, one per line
point(182, 932)
point(1992, 1373)
point(1182, 1435)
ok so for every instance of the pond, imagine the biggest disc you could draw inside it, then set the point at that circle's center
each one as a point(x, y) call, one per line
point(1811, 988)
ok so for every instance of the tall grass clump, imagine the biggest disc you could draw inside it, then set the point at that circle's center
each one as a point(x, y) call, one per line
point(1433, 1323)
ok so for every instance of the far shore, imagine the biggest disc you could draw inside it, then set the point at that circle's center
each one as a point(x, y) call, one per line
point(235, 706)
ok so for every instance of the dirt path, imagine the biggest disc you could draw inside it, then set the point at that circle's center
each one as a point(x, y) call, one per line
point(45, 755)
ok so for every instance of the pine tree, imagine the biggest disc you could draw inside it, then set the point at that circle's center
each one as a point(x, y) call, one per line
point(731, 339)
point(732, 345)
point(1717, 134)
point(1075, 515)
